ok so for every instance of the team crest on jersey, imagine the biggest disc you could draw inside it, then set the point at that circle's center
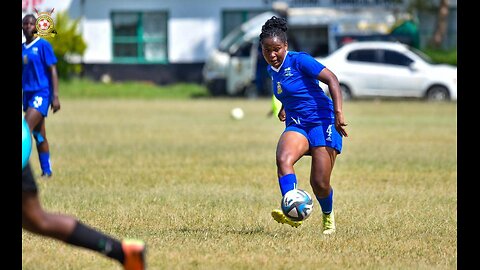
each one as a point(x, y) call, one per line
point(44, 24)
point(279, 88)
point(25, 59)
point(287, 72)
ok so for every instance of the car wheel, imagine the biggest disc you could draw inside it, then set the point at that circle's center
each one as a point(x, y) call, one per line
point(346, 93)
point(251, 91)
point(437, 93)
point(217, 87)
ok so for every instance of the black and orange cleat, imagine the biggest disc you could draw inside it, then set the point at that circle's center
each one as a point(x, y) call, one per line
point(134, 252)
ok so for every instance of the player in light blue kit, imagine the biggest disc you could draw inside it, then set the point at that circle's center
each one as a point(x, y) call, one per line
point(314, 122)
point(40, 87)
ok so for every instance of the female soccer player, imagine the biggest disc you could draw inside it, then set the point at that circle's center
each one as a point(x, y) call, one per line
point(314, 123)
point(129, 252)
point(40, 87)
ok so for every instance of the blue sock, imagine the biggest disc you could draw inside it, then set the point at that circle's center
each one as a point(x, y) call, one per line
point(38, 137)
point(287, 183)
point(326, 203)
point(45, 162)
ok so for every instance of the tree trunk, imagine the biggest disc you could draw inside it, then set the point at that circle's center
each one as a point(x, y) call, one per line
point(441, 27)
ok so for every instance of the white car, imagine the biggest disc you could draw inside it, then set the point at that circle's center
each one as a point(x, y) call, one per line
point(389, 69)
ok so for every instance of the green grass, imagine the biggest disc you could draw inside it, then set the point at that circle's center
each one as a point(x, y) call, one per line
point(198, 187)
point(86, 89)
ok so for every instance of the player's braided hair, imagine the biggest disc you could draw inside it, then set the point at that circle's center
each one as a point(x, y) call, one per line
point(274, 27)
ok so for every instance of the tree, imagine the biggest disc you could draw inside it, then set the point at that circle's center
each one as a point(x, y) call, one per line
point(441, 27)
point(442, 10)
point(68, 44)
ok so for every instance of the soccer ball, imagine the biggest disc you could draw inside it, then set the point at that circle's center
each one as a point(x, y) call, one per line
point(237, 113)
point(297, 204)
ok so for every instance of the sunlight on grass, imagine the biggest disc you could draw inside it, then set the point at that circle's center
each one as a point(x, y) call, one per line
point(198, 187)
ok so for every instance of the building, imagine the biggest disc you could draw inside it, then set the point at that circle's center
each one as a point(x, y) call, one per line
point(168, 41)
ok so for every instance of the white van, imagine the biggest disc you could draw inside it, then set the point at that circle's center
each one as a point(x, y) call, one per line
point(231, 68)
point(232, 59)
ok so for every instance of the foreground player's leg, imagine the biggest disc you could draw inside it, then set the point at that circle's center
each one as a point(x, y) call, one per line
point(130, 253)
point(134, 253)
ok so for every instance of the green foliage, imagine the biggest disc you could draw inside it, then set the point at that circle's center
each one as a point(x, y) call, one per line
point(67, 43)
point(442, 56)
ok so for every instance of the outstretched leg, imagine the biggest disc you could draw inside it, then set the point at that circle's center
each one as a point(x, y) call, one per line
point(71, 231)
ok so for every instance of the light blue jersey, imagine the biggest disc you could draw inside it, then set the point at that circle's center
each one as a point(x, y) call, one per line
point(295, 84)
point(37, 57)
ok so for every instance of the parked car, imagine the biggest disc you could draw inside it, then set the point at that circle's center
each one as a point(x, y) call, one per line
point(389, 69)
point(231, 69)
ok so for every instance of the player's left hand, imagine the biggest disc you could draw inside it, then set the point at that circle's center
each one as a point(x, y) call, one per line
point(55, 105)
point(282, 115)
point(340, 124)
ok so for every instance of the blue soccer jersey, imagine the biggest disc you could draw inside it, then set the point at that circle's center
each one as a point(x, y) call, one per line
point(296, 85)
point(37, 57)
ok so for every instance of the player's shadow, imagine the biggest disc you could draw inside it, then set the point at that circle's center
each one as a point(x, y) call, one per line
point(258, 230)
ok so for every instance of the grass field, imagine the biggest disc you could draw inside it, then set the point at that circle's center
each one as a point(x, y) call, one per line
point(198, 187)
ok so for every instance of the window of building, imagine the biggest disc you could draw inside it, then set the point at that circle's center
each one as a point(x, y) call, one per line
point(140, 37)
point(311, 39)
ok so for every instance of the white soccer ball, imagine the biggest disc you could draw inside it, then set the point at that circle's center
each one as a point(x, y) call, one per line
point(297, 204)
point(237, 113)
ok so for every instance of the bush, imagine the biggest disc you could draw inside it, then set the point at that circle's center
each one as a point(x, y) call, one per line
point(442, 56)
point(68, 44)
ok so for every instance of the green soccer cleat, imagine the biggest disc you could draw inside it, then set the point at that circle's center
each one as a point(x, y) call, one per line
point(328, 222)
point(279, 217)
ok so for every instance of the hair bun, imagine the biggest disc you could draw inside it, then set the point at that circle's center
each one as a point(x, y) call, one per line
point(277, 22)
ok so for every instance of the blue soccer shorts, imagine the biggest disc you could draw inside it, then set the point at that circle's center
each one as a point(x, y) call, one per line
point(39, 100)
point(324, 134)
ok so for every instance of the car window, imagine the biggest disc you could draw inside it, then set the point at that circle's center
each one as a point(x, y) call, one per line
point(396, 58)
point(244, 50)
point(422, 55)
point(232, 38)
point(363, 55)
